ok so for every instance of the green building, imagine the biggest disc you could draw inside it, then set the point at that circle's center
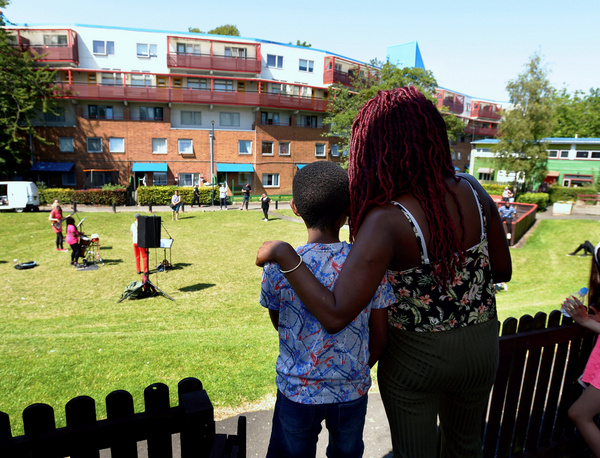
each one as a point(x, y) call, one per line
point(571, 162)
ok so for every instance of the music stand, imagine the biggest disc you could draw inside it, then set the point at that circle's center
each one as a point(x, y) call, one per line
point(147, 286)
point(166, 244)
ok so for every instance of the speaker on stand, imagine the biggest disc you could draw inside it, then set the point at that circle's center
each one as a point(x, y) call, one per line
point(148, 237)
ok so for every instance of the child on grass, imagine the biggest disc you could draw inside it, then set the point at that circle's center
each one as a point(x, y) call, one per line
point(321, 376)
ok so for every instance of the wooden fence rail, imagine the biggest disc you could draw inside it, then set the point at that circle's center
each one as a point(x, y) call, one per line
point(535, 385)
point(84, 436)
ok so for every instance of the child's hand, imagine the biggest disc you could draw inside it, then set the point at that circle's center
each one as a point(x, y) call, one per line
point(267, 252)
point(576, 310)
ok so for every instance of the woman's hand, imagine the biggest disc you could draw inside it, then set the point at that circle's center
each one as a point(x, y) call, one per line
point(576, 310)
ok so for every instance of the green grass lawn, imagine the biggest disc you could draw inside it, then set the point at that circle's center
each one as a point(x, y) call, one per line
point(63, 333)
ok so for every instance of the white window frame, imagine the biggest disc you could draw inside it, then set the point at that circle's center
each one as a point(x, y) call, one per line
point(335, 150)
point(157, 146)
point(286, 148)
point(195, 117)
point(231, 51)
point(270, 180)
point(247, 150)
point(309, 65)
point(189, 179)
point(223, 85)
point(159, 179)
point(116, 144)
point(92, 139)
point(234, 119)
point(278, 61)
point(582, 154)
point(185, 146)
point(262, 148)
point(146, 50)
point(141, 79)
point(108, 47)
point(65, 145)
point(319, 146)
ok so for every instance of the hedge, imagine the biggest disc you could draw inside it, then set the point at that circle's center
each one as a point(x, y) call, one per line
point(539, 198)
point(83, 196)
point(560, 193)
point(161, 195)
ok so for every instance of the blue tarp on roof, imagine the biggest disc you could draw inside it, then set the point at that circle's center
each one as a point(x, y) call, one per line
point(52, 166)
point(149, 167)
point(222, 167)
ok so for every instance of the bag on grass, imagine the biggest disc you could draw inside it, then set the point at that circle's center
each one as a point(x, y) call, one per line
point(25, 265)
point(133, 290)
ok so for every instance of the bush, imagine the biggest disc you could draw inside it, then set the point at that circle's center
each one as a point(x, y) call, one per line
point(84, 196)
point(161, 195)
point(541, 199)
point(560, 193)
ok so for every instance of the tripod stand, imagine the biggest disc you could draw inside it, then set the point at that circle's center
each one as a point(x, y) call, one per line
point(148, 288)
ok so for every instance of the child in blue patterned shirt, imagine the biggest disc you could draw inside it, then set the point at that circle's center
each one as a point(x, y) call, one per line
point(321, 376)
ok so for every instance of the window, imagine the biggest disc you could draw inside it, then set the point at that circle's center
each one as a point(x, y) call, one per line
point(100, 112)
point(267, 148)
point(59, 116)
point(159, 146)
point(306, 65)
point(65, 144)
point(320, 150)
point(191, 118)
point(69, 179)
point(103, 48)
point(55, 40)
point(196, 83)
point(335, 150)
point(141, 79)
point(284, 148)
point(307, 121)
point(564, 154)
point(112, 79)
point(223, 85)
point(159, 178)
point(553, 153)
point(229, 119)
point(189, 179)
point(146, 50)
point(244, 147)
point(270, 180)
point(235, 52)
point(116, 144)
point(595, 155)
point(274, 61)
point(151, 114)
point(186, 146)
point(458, 156)
point(188, 48)
point(94, 145)
point(269, 118)
point(583, 154)
point(91, 78)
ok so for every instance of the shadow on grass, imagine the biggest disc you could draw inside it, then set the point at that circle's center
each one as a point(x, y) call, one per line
point(196, 287)
point(179, 266)
point(108, 262)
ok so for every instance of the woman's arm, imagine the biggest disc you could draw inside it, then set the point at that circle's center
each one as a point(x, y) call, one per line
point(500, 260)
point(378, 334)
point(578, 312)
point(358, 280)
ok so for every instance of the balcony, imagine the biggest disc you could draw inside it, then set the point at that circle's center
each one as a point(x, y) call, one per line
point(51, 47)
point(483, 130)
point(341, 71)
point(486, 110)
point(187, 95)
point(219, 63)
point(454, 102)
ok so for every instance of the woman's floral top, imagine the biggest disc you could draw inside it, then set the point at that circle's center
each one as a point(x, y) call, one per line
point(423, 305)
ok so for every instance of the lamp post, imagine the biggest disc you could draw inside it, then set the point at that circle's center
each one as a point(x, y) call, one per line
point(212, 162)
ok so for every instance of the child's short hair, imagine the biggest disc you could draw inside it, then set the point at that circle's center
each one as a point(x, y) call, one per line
point(321, 194)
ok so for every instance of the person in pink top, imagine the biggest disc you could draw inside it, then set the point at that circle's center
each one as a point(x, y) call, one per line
point(583, 411)
point(56, 218)
point(73, 240)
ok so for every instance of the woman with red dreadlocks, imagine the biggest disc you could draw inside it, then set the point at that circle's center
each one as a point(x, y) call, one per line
point(439, 239)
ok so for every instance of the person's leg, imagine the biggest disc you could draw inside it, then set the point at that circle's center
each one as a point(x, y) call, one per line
point(173, 215)
point(295, 430)
point(582, 414)
point(588, 248)
point(61, 240)
point(579, 248)
point(136, 252)
point(73, 257)
point(345, 422)
point(144, 253)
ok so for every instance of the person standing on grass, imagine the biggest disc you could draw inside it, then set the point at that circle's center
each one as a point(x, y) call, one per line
point(196, 198)
point(175, 204)
point(585, 409)
point(245, 195)
point(222, 196)
point(321, 376)
point(138, 252)
point(56, 218)
point(73, 240)
point(264, 204)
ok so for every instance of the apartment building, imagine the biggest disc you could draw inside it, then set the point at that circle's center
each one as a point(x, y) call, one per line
point(180, 108)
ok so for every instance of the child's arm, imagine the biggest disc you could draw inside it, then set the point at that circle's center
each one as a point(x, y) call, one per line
point(578, 312)
point(274, 315)
point(378, 334)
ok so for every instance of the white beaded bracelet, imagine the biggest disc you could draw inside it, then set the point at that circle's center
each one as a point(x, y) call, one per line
point(291, 270)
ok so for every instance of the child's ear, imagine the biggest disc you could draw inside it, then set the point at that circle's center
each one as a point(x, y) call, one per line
point(293, 207)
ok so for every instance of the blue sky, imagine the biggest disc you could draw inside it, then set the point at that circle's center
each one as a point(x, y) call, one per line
point(474, 47)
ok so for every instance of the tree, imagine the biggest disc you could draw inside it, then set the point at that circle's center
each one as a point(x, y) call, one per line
point(577, 114)
point(522, 148)
point(26, 90)
point(227, 29)
point(302, 43)
point(346, 102)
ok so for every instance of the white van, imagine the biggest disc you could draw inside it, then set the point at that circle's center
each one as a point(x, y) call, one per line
point(19, 196)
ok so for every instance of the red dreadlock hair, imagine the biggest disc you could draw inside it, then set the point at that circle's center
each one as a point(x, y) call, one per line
point(399, 144)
